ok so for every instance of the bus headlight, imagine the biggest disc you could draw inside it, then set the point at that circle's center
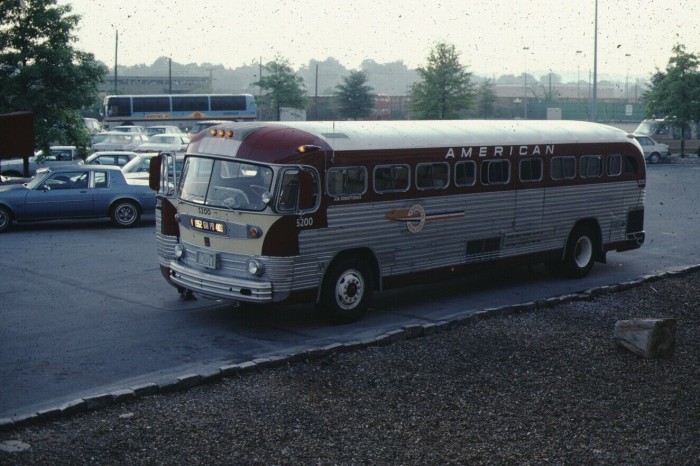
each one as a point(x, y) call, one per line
point(179, 251)
point(255, 267)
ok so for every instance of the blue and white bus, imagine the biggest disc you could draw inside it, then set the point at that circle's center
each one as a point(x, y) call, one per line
point(181, 110)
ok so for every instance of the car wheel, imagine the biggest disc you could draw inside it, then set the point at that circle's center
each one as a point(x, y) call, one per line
point(125, 214)
point(347, 290)
point(654, 157)
point(5, 218)
point(580, 252)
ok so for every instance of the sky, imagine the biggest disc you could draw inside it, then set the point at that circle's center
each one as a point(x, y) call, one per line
point(635, 37)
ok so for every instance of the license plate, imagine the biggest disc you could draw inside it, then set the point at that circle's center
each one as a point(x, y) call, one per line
point(206, 259)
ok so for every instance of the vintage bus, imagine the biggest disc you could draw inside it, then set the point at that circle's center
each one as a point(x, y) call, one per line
point(181, 110)
point(330, 212)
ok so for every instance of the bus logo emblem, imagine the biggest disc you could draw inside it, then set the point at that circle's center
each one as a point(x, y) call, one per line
point(415, 217)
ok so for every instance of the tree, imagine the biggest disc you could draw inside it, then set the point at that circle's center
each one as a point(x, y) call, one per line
point(486, 100)
point(355, 98)
point(675, 94)
point(285, 88)
point(445, 88)
point(42, 73)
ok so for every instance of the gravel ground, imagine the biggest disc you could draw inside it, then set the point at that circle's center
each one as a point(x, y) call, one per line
point(547, 385)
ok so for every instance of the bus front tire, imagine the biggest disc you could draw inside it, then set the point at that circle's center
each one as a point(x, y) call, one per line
point(347, 291)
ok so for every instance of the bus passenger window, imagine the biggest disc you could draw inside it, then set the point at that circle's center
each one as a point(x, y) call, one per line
point(563, 168)
point(391, 178)
point(346, 181)
point(614, 165)
point(465, 173)
point(531, 170)
point(495, 172)
point(432, 175)
point(631, 165)
point(591, 166)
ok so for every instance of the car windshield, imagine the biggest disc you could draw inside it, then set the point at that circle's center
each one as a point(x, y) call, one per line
point(138, 164)
point(38, 179)
point(154, 131)
point(228, 184)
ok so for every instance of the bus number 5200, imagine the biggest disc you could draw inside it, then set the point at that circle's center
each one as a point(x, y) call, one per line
point(304, 222)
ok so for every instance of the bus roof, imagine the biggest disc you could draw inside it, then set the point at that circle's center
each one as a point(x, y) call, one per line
point(377, 135)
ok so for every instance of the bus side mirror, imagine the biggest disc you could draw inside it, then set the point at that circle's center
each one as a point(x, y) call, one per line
point(307, 191)
point(154, 172)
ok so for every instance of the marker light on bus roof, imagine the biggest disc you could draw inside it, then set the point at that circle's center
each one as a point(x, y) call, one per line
point(307, 148)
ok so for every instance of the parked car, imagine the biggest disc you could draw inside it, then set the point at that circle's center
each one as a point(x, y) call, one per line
point(204, 124)
point(654, 152)
point(78, 191)
point(129, 129)
point(162, 129)
point(59, 155)
point(166, 143)
point(138, 167)
point(115, 157)
point(115, 140)
point(92, 125)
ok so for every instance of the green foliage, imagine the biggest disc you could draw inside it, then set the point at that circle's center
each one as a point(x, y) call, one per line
point(675, 94)
point(41, 72)
point(445, 89)
point(285, 89)
point(486, 100)
point(355, 98)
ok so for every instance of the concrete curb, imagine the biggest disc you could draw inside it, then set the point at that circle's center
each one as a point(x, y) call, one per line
point(187, 381)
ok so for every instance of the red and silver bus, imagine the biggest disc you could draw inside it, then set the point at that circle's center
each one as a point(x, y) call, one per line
point(330, 212)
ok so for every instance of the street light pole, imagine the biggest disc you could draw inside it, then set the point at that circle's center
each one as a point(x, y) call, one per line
point(526, 49)
point(595, 66)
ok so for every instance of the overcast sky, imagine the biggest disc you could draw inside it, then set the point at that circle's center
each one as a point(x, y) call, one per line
point(493, 37)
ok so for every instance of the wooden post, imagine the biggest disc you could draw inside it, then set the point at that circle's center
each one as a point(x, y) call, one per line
point(648, 338)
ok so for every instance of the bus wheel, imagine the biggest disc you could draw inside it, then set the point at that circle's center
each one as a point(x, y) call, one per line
point(347, 290)
point(580, 252)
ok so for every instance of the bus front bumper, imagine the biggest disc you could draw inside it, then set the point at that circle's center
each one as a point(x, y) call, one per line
point(220, 287)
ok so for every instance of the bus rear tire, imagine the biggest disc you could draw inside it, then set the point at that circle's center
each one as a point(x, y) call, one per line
point(580, 252)
point(347, 290)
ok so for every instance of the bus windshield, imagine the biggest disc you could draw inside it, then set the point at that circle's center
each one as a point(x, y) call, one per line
point(228, 184)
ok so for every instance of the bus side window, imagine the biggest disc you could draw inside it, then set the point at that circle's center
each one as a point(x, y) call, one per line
point(495, 172)
point(591, 166)
point(631, 166)
point(391, 178)
point(346, 181)
point(298, 191)
point(432, 175)
point(530, 170)
point(289, 192)
point(614, 165)
point(465, 173)
point(563, 168)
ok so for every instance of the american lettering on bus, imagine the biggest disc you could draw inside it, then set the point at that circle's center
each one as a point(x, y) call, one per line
point(499, 151)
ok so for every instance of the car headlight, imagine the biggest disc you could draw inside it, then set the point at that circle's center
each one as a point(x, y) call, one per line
point(179, 251)
point(255, 267)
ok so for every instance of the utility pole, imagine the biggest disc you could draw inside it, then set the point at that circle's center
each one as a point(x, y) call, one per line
point(595, 66)
point(116, 48)
point(170, 75)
